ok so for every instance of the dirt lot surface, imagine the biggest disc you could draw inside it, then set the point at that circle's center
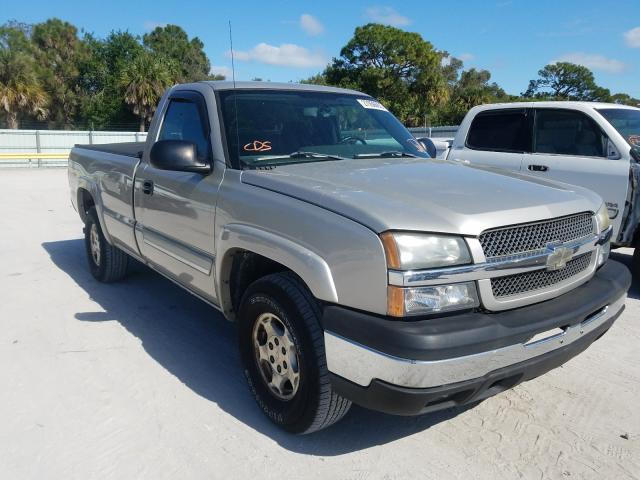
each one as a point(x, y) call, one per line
point(141, 380)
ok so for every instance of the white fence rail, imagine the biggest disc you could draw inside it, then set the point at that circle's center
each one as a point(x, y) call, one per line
point(434, 132)
point(50, 148)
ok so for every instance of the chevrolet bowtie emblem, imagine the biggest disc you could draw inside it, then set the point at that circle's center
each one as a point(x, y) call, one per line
point(558, 257)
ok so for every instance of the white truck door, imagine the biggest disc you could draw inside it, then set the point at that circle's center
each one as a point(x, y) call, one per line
point(570, 147)
point(495, 138)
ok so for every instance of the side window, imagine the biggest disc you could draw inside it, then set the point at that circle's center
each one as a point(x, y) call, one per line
point(500, 130)
point(183, 122)
point(567, 132)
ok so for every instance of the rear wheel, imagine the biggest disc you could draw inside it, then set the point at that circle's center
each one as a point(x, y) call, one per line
point(282, 350)
point(635, 264)
point(106, 262)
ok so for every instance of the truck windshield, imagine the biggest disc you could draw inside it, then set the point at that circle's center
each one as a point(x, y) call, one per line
point(627, 122)
point(276, 127)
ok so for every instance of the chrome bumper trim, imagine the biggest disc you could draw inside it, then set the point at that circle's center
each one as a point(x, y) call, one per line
point(498, 267)
point(361, 365)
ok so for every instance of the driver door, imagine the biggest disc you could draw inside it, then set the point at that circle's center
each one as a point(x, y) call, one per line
point(175, 210)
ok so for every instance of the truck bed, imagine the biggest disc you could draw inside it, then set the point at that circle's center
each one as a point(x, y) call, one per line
point(129, 149)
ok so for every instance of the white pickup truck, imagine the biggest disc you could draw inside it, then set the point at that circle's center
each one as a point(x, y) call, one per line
point(593, 145)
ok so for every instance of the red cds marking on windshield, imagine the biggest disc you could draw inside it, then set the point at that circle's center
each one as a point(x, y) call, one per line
point(257, 146)
point(634, 140)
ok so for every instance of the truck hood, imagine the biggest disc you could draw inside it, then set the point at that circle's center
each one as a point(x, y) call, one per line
point(424, 195)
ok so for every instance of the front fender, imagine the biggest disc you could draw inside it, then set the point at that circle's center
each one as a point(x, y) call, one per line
point(309, 266)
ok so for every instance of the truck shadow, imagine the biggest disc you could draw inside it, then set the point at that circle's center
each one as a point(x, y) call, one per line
point(193, 342)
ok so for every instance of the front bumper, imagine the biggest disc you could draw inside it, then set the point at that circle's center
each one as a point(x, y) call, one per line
point(411, 367)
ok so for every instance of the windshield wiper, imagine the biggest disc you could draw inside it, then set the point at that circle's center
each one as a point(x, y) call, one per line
point(300, 156)
point(390, 154)
point(315, 155)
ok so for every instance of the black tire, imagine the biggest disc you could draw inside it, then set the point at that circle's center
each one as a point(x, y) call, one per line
point(112, 262)
point(635, 264)
point(314, 405)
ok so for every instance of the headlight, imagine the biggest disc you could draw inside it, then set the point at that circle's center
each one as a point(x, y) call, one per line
point(602, 217)
point(403, 302)
point(413, 251)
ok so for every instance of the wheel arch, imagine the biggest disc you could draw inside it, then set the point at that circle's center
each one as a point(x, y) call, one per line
point(87, 196)
point(85, 202)
point(242, 245)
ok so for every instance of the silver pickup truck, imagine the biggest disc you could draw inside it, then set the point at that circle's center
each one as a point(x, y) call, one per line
point(356, 268)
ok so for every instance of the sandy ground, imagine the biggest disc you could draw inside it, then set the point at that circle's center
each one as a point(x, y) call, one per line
point(141, 380)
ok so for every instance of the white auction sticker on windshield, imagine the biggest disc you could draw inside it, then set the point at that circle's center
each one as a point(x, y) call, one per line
point(373, 104)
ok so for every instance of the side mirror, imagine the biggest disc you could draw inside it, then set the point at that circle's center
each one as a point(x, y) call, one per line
point(429, 146)
point(178, 155)
point(612, 151)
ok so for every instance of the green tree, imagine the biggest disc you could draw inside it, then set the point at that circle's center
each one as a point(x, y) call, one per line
point(103, 103)
point(186, 57)
point(16, 36)
point(59, 52)
point(566, 81)
point(400, 68)
point(21, 94)
point(624, 99)
point(20, 91)
point(317, 79)
point(144, 80)
point(474, 88)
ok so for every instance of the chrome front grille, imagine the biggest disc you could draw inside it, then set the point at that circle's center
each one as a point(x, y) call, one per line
point(527, 237)
point(538, 279)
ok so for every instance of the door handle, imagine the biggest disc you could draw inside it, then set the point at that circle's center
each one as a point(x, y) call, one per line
point(538, 168)
point(147, 187)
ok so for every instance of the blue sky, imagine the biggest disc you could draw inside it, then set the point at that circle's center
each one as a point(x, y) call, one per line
point(285, 40)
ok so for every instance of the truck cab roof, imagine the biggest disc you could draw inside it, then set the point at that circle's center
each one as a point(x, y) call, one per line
point(256, 85)
point(574, 105)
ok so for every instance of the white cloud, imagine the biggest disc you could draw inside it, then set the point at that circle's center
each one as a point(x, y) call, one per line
point(285, 55)
point(632, 37)
point(593, 61)
point(221, 70)
point(387, 15)
point(311, 25)
point(465, 57)
point(150, 25)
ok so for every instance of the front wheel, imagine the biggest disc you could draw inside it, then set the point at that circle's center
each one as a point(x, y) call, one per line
point(282, 350)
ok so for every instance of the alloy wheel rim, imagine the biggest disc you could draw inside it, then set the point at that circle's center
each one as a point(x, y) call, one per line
point(94, 241)
point(276, 356)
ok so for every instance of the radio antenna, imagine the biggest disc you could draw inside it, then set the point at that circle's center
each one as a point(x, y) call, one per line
point(233, 65)
point(235, 96)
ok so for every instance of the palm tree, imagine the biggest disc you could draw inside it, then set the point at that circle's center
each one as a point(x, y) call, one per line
point(20, 90)
point(144, 80)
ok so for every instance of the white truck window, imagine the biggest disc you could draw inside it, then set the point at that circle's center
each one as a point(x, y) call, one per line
point(501, 131)
point(567, 132)
point(627, 123)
